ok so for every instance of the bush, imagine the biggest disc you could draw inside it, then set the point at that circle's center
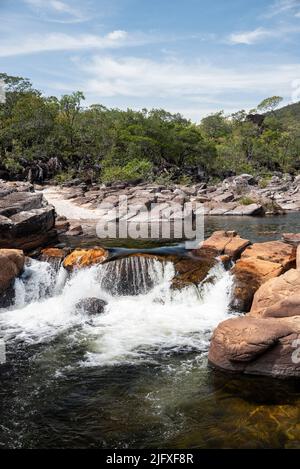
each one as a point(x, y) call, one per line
point(135, 169)
point(247, 201)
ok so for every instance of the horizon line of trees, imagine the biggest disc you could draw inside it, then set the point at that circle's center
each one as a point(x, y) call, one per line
point(47, 137)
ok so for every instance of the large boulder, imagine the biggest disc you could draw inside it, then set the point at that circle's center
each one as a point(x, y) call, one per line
point(279, 297)
point(26, 219)
point(81, 258)
point(258, 264)
point(257, 346)
point(249, 275)
point(11, 265)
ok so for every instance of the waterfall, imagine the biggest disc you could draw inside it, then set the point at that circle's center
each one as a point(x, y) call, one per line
point(144, 317)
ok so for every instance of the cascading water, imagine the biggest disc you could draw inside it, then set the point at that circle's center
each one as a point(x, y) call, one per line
point(144, 316)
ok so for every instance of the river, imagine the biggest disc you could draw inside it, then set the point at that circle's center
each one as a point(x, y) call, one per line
point(136, 376)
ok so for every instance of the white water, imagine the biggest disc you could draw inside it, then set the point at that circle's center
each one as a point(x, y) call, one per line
point(134, 327)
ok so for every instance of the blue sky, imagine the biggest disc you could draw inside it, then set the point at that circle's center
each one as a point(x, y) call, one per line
point(188, 56)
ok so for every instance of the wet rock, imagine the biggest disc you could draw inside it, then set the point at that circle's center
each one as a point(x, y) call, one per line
point(193, 270)
point(11, 265)
point(291, 238)
point(92, 306)
point(81, 258)
point(257, 346)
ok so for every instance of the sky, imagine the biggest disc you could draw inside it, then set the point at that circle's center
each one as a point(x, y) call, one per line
point(195, 57)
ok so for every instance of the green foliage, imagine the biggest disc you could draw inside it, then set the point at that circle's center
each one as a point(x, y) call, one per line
point(132, 171)
point(114, 145)
point(246, 201)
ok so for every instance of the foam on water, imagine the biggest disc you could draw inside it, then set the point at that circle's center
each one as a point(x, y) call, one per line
point(153, 319)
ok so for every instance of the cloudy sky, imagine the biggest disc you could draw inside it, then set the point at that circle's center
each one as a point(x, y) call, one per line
point(188, 56)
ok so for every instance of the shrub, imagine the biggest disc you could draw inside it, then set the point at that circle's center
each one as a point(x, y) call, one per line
point(133, 170)
point(247, 201)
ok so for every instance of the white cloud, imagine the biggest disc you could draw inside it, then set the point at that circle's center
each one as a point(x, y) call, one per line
point(141, 78)
point(63, 12)
point(280, 7)
point(251, 37)
point(60, 42)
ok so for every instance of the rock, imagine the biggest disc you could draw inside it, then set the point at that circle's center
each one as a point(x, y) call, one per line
point(257, 346)
point(11, 265)
point(29, 229)
point(291, 238)
point(226, 197)
point(19, 202)
point(226, 242)
point(279, 297)
point(193, 270)
point(92, 306)
point(50, 253)
point(85, 258)
point(74, 231)
point(249, 274)
point(26, 219)
point(273, 251)
point(247, 210)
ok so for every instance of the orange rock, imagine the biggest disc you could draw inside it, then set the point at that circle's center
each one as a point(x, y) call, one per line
point(53, 252)
point(279, 297)
point(226, 242)
point(84, 258)
point(11, 265)
point(273, 251)
point(250, 273)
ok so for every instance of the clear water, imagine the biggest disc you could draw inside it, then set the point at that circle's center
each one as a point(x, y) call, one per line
point(136, 376)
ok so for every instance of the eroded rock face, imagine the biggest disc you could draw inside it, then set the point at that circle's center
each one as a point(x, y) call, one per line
point(257, 346)
point(81, 258)
point(273, 251)
point(11, 265)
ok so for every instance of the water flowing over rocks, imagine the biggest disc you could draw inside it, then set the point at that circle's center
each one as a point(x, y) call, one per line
point(26, 219)
point(92, 306)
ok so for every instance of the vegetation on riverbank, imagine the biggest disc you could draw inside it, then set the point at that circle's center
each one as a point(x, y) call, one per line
point(46, 137)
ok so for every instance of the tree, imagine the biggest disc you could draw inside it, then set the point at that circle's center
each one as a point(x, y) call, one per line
point(270, 104)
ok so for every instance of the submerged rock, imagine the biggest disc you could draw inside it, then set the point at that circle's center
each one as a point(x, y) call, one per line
point(85, 258)
point(92, 306)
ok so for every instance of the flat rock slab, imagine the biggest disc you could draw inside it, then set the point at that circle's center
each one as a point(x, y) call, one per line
point(273, 251)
